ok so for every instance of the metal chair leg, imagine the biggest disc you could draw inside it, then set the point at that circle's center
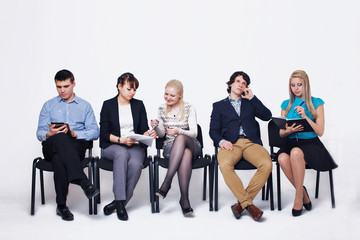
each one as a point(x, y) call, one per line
point(317, 184)
point(332, 189)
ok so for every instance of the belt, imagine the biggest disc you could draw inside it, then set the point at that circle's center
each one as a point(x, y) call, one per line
point(242, 136)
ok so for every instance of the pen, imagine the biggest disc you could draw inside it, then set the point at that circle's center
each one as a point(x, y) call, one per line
point(300, 105)
point(152, 129)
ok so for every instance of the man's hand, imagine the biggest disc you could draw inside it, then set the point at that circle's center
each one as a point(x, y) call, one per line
point(227, 145)
point(55, 129)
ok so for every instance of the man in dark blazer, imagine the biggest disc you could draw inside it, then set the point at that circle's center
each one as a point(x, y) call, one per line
point(233, 129)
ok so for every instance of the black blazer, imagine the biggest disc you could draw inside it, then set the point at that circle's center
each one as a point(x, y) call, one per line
point(225, 122)
point(109, 120)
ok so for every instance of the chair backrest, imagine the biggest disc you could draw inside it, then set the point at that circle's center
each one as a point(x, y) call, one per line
point(275, 140)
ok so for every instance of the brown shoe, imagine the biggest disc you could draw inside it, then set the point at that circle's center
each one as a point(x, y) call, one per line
point(237, 210)
point(254, 212)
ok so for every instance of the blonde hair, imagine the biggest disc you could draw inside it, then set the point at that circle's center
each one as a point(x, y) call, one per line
point(176, 84)
point(306, 92)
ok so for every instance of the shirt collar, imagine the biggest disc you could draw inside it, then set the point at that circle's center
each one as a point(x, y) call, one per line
point(75, 100)
point(232, 100)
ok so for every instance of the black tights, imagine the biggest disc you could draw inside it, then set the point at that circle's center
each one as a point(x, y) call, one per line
point(180, 161)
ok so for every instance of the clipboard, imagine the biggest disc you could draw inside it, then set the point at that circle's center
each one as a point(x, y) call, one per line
point(281, 123)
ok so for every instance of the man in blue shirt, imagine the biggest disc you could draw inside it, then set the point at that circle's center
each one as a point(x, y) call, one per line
point(65, 143)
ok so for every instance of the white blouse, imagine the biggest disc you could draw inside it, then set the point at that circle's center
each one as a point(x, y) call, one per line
point(125, 120)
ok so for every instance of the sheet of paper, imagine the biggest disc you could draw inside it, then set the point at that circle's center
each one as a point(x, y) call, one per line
point(147, 140)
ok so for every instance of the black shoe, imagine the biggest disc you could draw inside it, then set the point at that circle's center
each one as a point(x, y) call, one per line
point(161, 193)
point(110, 208)
point(186, 211)
point(121, 211)
point(91, 191)
point(308, 205)
point(65, 213)
point(296, 213)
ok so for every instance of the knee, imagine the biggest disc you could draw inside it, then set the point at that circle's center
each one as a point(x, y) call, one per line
point(137, 165)
point(283, 159)
point(296, 153)
point(224, 164)
point(267, 165)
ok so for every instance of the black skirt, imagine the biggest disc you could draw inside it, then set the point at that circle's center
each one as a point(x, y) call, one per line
point(316, 155)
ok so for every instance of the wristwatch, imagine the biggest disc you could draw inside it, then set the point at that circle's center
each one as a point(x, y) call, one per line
point(118, 140)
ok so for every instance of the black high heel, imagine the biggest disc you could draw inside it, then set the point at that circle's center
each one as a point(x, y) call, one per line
point(296, 213)
point(308, 205)
point(161, 193)
point(186, 211)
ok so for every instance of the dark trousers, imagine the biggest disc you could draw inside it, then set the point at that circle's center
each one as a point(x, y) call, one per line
point(65, 153)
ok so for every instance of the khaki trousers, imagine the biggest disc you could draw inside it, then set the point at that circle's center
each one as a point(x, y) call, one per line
point(257, 156)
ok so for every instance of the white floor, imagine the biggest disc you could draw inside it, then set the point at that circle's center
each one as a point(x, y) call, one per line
point(322, 222)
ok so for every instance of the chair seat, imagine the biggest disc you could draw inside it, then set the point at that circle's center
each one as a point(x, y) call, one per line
point(244, 165)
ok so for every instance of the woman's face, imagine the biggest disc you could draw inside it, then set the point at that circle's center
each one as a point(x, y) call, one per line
point(126, 91)
point(296, 85)
point(172, 96)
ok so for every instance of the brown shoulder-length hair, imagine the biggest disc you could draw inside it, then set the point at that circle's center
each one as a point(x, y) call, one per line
point(306, 92)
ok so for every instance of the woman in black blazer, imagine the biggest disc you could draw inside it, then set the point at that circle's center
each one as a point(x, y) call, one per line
point(120, 117)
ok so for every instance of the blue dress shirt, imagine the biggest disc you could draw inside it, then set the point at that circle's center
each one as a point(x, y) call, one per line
point(78, 114)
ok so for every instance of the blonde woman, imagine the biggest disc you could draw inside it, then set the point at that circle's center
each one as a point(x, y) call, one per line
point(177, 123)
point(303, 148)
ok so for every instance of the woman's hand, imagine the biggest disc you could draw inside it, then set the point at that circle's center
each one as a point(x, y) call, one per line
point(293, 128)
point(154, 122)
point(301, 111)
point(173, 131)
point(151, 133)
point(128, 141)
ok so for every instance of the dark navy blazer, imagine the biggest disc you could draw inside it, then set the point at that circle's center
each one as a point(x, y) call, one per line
point(225, 122)
point(109, 119)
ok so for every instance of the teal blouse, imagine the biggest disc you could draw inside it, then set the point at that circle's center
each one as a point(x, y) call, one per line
point(294, 115)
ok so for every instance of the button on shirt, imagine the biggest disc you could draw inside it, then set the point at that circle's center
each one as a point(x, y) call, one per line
point(78, 114)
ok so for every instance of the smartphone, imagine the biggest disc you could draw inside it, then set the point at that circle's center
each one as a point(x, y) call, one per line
point(243, 93)
point(58, 124)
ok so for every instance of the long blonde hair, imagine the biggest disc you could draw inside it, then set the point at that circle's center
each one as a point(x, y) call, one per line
point(306, 92)
point(179, 87)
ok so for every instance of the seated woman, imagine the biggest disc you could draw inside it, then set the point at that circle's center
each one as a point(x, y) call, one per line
point(120, 117)
point(177, 122)
point(303, 148)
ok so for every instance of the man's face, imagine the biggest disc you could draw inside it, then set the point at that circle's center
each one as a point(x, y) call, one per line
point(238, 86)
point(65, 89)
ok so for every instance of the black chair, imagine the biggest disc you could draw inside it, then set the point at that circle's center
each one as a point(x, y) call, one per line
point(106, 164)
point(243, 165)
point(275, 141)
point(200, 162)
point(44, 165)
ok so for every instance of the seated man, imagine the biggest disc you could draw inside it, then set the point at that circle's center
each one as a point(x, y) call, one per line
point(65, 143)
point(233, 129)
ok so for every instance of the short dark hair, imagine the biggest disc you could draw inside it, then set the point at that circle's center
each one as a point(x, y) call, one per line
point(128, 77)
point(234, 75)
point(64, 74)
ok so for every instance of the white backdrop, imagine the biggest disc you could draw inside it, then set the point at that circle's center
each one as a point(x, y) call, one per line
point(200, 43)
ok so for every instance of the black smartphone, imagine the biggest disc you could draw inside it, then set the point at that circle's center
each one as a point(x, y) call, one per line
point(243, 93)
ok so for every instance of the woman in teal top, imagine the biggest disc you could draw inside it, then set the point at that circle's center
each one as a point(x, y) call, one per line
point(303, 148)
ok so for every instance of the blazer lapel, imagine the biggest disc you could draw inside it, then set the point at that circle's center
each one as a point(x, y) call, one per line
point(229, 107)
